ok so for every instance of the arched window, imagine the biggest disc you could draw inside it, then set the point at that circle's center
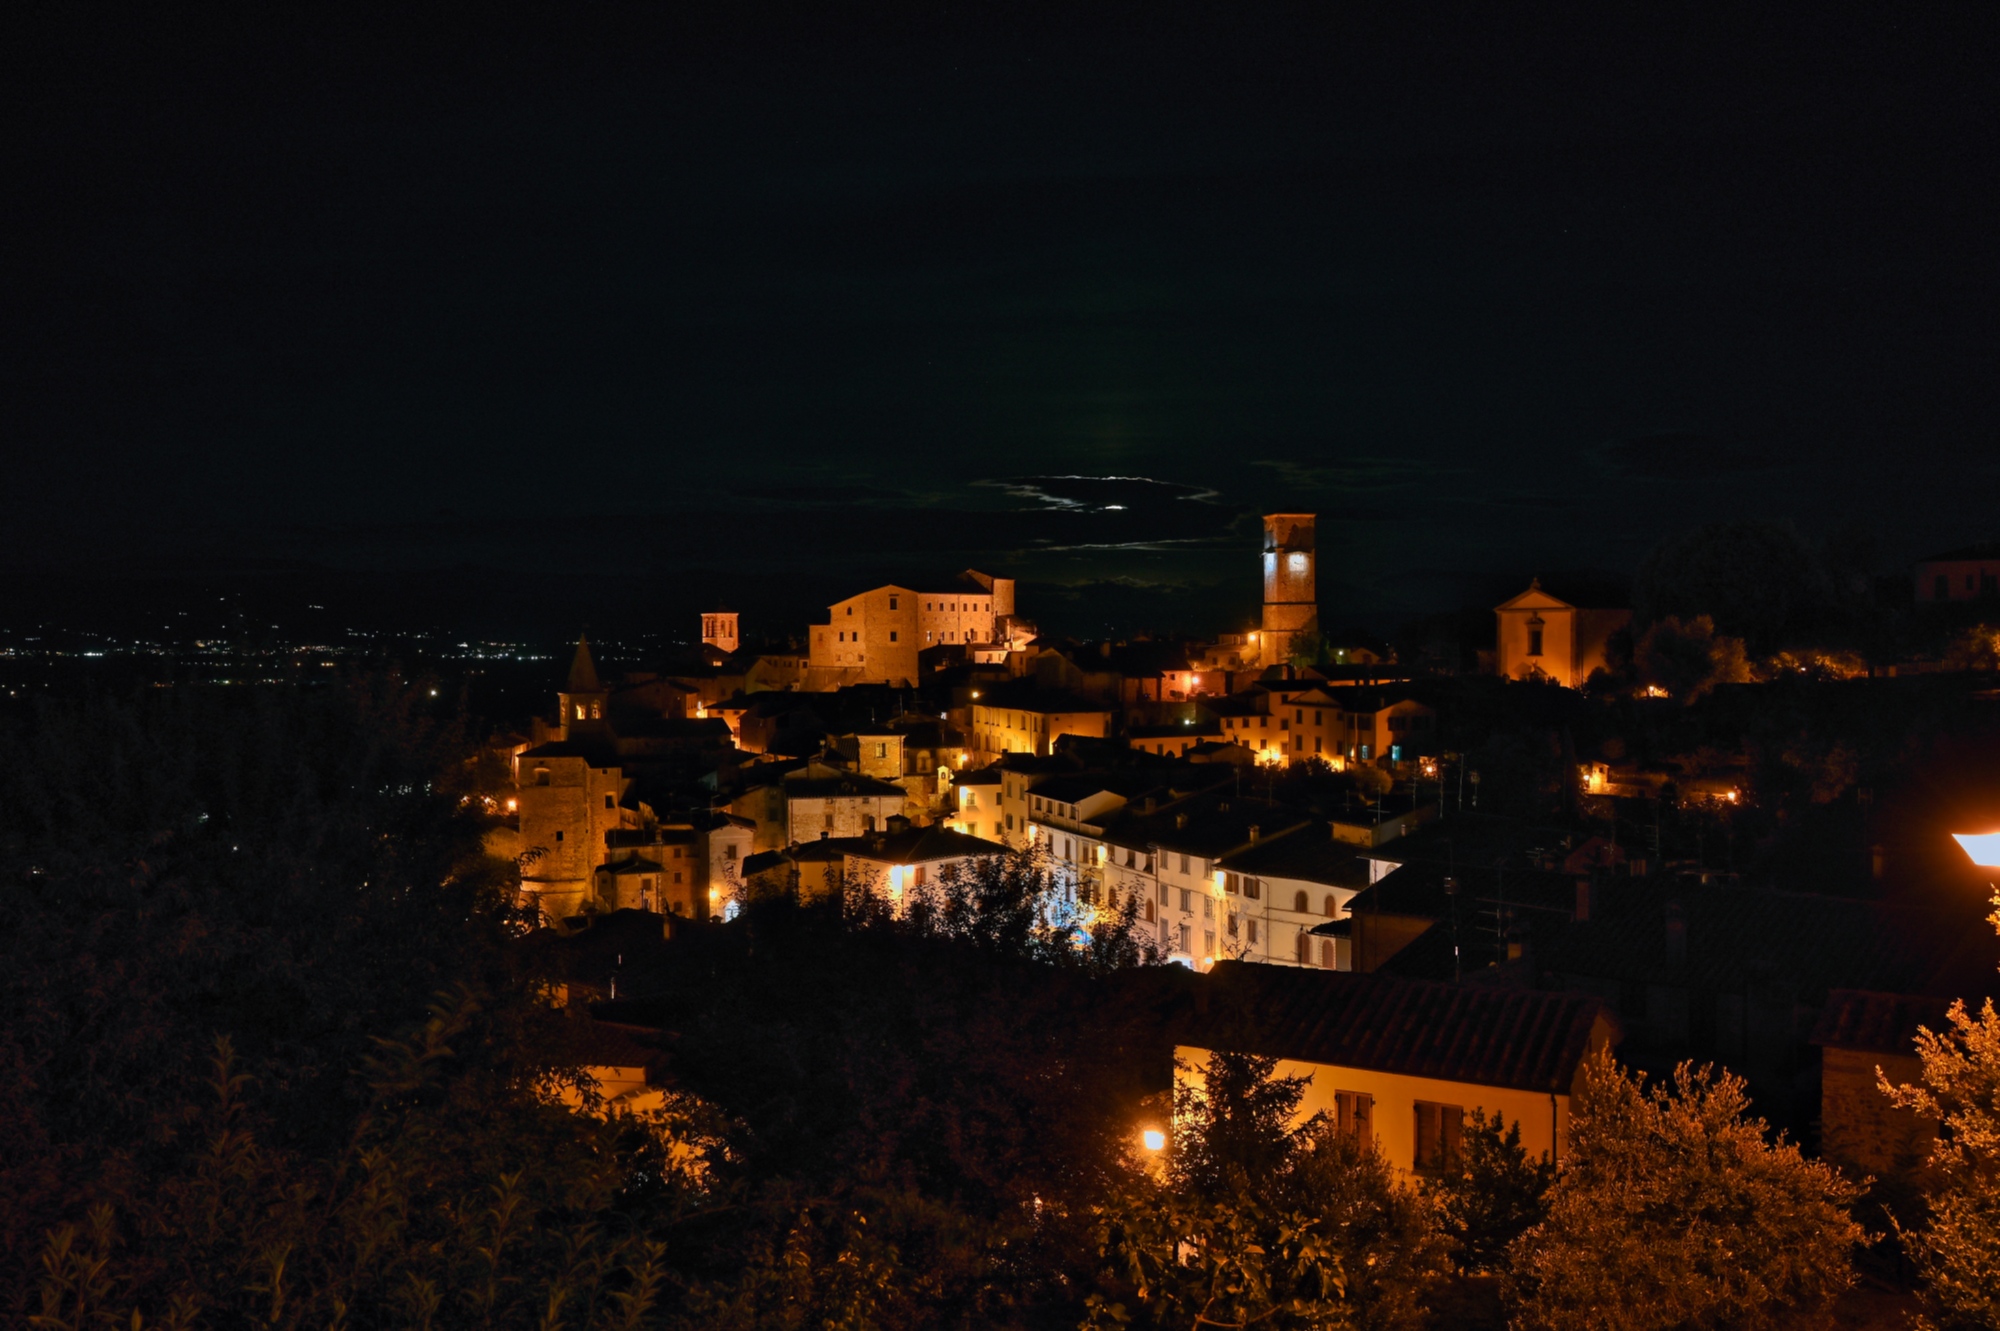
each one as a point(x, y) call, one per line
point(1149, 912)
point(1301, 904)
point(1326, 953)
point(1332, 904)
point(1305, 948)
point(541, 776)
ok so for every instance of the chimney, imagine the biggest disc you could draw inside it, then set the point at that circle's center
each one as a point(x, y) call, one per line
point(1254, 830)
point(1677, 934)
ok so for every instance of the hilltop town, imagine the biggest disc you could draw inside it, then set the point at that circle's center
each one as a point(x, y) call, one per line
point(1699, 858)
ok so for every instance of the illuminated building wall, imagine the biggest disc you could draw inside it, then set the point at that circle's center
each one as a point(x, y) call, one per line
point(875, 637)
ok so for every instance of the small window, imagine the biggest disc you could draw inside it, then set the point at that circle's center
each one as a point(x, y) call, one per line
point(559, 836)
point(892, 635)
point(1208, 942)
point(1229, 883)
point(1354, 1114)
point(1253, 932)
point(1439, 1128)
point(579, 711)
point(1332, 904)
point(1187, 902)
point(1252, 888)
point(850, 609)
point(882, 750)
point(829, 822)
point(1301, 903)
point(892, 603)
point(1207, 906)
point(677, 876)
point(541, 776)
point(1184, 864)
point(1232, 927)
point(729, 853)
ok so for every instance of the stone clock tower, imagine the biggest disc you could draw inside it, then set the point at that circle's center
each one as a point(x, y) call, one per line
point(1291, 596)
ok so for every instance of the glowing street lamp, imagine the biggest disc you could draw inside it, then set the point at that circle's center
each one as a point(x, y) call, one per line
point(1154, 1139)
point(1983, 847)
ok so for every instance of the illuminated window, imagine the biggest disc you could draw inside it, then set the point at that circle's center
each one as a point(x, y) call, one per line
point(579, 711)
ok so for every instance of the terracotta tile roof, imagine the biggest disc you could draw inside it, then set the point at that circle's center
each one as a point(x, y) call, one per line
point(1521, 1038)
point(1883, 1023)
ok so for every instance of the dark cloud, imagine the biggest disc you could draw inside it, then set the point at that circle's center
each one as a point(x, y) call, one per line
point(1683, 455)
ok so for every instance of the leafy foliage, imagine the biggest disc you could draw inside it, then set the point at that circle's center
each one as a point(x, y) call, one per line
point(1688, 659)
point(1672, 1211)
point(1958, 1253)
point(1493, 1194)
point(1259, 1221)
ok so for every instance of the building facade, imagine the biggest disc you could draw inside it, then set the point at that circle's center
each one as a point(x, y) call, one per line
point(1541, 636)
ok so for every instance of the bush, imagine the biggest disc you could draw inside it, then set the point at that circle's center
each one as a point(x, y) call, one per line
point(1672, 1211)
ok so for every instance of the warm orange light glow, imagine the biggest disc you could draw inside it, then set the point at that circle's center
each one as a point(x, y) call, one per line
point(1983, 847)
point(513, 805)
point(1155, 1139)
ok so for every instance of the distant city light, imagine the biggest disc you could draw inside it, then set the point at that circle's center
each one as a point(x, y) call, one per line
point(1983, 847)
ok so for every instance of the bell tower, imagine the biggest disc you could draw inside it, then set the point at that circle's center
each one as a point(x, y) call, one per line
point(1291, 595)
point(583, 699)
point(718, 630)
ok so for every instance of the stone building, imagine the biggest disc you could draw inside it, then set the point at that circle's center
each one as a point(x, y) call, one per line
point(875, 637)
point(1291, 596)
point(1542, 636)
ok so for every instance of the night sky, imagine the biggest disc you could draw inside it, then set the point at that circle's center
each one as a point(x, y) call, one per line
point(747, 312)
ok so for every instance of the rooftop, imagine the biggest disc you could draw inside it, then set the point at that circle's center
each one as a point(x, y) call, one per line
point(1519, 1038)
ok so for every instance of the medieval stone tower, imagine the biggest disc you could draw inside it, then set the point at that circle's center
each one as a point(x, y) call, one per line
point(1291, 596)
point(718, 630)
